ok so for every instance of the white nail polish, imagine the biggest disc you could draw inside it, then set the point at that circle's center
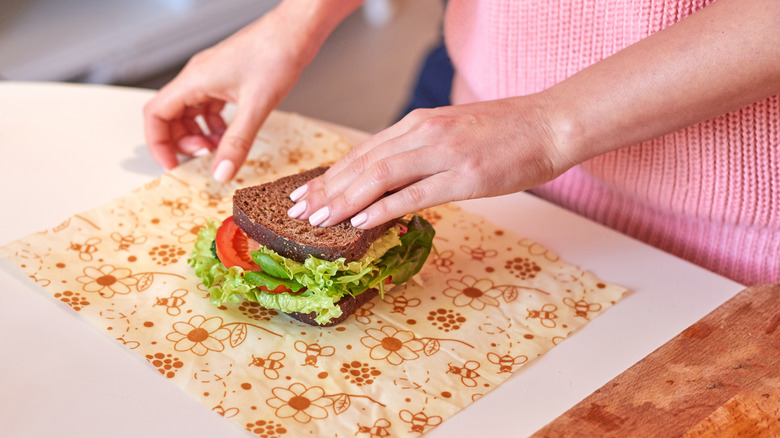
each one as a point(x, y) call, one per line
point(358, 220)
point(319, 216)
point(297, 210)
point(297, 193)
point(201, 152)
point(224, 171)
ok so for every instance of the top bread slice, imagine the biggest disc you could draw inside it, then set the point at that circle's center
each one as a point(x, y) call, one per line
point(261, 211)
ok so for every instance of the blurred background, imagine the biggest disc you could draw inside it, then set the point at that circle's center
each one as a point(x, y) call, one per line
point(362, 77)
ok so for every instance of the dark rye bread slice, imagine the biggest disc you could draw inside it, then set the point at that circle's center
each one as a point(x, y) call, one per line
point(261, 211)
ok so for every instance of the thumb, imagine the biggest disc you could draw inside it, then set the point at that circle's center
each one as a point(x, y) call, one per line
point(236, 142)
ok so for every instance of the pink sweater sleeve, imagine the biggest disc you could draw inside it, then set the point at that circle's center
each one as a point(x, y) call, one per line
point(709, 193)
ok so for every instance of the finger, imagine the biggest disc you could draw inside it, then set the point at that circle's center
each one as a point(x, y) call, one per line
point(238, 138)
point(214, 139)
point(187, 138)
point(373, 167)
point(209, 111)
point(344, 172)
point(381, 177)
point(191, 127)
point(395, 131)
point(190, 112)
point(177, 131)
point(196, 145)
point(386, 137)
point(159, 113)
point(198, 142)
point(158, 140)
point(429, 192)
point(354, 154)
point(213, 118)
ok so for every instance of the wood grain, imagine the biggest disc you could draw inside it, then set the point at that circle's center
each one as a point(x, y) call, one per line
point(719, 377)
point(747, 414)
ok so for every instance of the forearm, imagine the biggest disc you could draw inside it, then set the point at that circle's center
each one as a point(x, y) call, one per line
point(255, 68)
point(718, 59)
point(314, 20)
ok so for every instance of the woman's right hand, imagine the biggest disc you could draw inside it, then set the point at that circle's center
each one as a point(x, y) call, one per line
point(254, 68)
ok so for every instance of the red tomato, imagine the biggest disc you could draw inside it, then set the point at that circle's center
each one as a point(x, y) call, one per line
point(279, 289)
point(234, 248)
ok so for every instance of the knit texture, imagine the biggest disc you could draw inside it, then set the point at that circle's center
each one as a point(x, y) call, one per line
point(709, 193)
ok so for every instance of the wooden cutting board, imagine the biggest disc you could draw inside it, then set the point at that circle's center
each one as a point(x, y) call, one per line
point(719, 377)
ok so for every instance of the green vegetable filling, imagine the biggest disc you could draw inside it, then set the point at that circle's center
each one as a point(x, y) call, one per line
point(316, 285)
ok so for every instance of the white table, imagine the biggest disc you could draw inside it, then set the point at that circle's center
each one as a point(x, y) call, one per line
point(56, 140)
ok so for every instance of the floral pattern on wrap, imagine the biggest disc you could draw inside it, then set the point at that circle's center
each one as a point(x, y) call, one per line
point(486, 303)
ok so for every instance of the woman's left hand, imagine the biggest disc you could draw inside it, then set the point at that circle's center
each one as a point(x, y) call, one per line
point(434, 156)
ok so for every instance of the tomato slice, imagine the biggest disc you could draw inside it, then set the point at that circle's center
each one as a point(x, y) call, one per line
point(234, 247)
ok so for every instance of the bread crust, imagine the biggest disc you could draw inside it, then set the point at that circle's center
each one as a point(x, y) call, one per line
point(261, 212)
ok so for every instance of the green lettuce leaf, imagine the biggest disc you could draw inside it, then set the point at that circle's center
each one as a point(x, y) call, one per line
point(404, 261)
point(270, 265)
point(325, 282)
point(262, 278)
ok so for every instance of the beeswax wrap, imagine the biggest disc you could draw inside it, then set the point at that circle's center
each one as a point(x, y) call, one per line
point(486, 303)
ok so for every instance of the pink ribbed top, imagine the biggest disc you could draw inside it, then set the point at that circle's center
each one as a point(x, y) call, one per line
point(709, 193)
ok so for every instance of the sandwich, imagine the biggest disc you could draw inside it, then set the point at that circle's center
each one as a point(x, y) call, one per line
point(317, 275)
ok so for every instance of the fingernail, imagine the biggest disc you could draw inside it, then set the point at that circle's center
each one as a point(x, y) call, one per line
point(224, 171)
point(319, 216)
point(201, 152)
point(297, 209)
point(297, 193)
point(358, 220)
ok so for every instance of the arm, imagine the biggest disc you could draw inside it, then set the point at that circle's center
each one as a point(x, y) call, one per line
point(255, 68)
point(723, 57)
point(716, 60)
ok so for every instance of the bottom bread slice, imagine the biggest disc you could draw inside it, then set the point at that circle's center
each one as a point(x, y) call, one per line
point(349, 304)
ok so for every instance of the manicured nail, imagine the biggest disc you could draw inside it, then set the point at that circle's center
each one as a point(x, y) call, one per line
point(297, 193)
point(319, 216)
point(224, 171)
point(358, 220)
point(297, 209)
point(201, 152)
